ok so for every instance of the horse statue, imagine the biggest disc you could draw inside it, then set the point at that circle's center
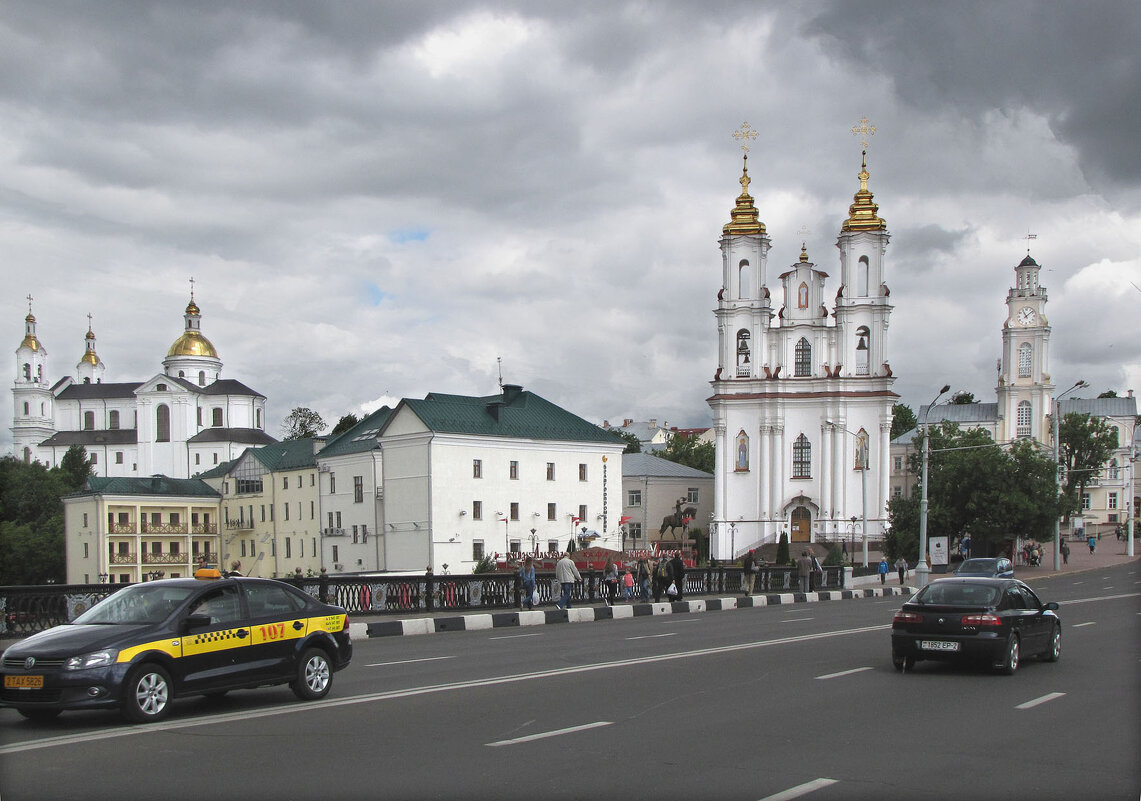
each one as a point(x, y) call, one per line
point(679, 519)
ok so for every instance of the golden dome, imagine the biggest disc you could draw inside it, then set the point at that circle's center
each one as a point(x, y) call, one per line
point(90, 358)
point(862, 212)
point(192, 307)
point(30, 342)
point(744, 219)
point(191, 343)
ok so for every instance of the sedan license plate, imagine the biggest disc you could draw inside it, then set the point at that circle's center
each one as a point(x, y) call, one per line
point(938, 645)
point(24, 682)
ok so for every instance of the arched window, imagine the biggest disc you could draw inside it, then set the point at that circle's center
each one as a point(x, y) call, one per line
point(162, 423)
point(743, 279)
point(86, 379)
point(862, 337)
point(1114, 470)
point(1024, 417)
point(201, 378)
point(862, 277)
point(802, 366)
point(25, 407)
point(1025, 353)
point(862, 450)
point(802, 296)
point(744, 366)
point(259, 418)
point(217, 421)
point(27, 455)
point(742, 452)
point(27, 372)
point(182, 374)
point(801, 458)
point(88, 421)
point(113, 419)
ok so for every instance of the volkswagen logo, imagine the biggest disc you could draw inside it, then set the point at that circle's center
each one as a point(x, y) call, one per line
point(941, 621)
point(29, 663)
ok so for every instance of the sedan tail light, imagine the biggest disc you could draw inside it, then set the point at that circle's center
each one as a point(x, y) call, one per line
point(906, 617)
point(981, 620)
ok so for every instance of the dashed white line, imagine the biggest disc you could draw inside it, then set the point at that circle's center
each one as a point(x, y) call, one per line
point(1079, 625)
point(1043, 699)
point(800, 789)
point(409, 661)
point(797, 619)
point(544, 735)
point(652, 636)
point(515, 636)
point(843, 673)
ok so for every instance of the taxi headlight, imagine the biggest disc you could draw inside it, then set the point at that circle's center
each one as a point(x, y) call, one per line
point(94, 659)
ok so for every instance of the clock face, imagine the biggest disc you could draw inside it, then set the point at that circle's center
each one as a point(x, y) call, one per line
point(1026, 316)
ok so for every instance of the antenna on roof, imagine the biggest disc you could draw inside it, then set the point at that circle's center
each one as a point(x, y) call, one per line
point(499, 359)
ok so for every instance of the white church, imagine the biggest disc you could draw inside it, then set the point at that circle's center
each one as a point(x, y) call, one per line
point(178, 423)
point(802, 397)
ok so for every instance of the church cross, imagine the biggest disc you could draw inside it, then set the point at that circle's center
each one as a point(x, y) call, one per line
point(88, 321)
point(863, 130)
point(744, 135)
point(1029, 236)
point(29, 303)
point(192, 287)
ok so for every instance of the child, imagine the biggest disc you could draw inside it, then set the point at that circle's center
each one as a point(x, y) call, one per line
point(628, 585)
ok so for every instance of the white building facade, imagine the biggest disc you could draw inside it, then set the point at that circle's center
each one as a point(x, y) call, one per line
point(802, 396)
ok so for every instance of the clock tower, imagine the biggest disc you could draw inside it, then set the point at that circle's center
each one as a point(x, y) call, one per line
point(1024, 386)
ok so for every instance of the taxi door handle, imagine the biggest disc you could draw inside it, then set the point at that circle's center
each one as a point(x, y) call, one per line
point(298, 625)
point(241, 634)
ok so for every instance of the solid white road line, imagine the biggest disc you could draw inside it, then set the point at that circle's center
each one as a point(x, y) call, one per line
point(1079, 625)
point(843, 673)
point(1042, 700)
point(800, 789)
point(797, 619)
point(652, 636)
point(516, 636)
point(544, 735)
point(409, 661)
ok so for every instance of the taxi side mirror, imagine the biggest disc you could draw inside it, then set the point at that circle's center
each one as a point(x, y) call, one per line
point(1052, 606)
point(195, 621)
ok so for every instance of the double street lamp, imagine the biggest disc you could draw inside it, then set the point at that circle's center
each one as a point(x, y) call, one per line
point(921, 569)
point(1080, 384)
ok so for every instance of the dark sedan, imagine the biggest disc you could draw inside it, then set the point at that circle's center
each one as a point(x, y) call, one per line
point(989, 620)
point(150, 643)
point(990, 568)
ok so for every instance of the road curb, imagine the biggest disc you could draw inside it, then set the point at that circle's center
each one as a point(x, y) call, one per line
point(594, 614)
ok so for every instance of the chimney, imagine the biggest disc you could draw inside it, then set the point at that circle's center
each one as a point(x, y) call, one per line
point(511, 392)
point(626, 422)
point(606, 424)
point(653, 422)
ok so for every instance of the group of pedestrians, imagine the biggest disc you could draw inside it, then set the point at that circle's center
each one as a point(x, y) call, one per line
point(650, 577)
point(901, 568)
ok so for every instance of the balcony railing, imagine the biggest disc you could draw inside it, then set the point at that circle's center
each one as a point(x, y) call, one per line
point(163, 528)
point(209, 528)
point(166, 559)
point(124, 558)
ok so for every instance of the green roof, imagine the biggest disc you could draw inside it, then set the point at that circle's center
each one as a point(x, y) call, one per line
point(514, 414)
point(218, 471)
point(154, 485)
point(359, 438)
point(292, 454)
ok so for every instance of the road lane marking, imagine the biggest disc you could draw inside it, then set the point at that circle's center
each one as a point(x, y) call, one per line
point(545, 734)
point(796, 619)
point(409, 661)
point(515, 636)
point(1102, 598)
point(1042, 700)
point(1079, 625)
point(652, 636)
point(800, 789)
point(843, 673)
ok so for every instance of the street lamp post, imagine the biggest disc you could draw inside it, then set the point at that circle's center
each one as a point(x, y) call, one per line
point(863, 488)
point(921, 568)
point(852, 550)
point(1129, 522)
point(1058, 471)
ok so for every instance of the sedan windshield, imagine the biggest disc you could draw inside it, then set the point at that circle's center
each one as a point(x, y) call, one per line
point(142, 603)
point(959, 594)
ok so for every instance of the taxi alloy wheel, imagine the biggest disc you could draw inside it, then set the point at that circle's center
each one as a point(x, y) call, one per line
point(314, 676)
point(147, 695)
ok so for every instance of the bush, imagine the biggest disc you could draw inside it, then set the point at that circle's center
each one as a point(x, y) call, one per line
point(485, 565)
point(782, 550)
point(834, 556)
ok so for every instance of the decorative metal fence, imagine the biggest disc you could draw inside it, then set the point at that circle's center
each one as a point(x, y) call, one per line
point(26, 610)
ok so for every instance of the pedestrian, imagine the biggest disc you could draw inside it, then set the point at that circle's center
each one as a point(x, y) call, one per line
point(610, 581)
point(1065, 549)
point(884, 568)
point(644, 580)
point(566, 574)
point(662, 576)
point(817, 573)
point(235, 569)
point(901, 568)
point(628, 585)
point(527, 581)
point(677, 574)
point(803, 570)
point(844, 548)
point(1092, 542)
point(748, 572)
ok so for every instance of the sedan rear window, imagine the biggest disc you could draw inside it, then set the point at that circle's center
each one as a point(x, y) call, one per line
point(959, 594)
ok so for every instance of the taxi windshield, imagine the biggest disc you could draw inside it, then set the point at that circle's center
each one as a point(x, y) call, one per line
point(142, 603)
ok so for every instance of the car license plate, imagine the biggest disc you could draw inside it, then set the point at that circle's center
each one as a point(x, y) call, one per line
point(938, 645)
point(24, 682)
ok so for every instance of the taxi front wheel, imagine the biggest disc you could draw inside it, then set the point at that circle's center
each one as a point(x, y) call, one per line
point(147, 694)
point(314, 676)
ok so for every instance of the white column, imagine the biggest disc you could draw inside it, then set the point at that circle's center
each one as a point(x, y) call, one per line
point(763, 473)
point(778, 476)
point(884, 493)
point(825, 470)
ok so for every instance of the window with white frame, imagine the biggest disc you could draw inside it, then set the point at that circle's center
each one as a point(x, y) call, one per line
point(1025, 359)
point(801, 458)
point(692, 495)
point(1024, 417)
point(634, 498)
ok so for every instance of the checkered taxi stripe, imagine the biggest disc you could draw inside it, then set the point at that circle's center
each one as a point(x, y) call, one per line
point(219, 636)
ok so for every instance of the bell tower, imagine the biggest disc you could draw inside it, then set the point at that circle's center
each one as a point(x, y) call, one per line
point(33, 418)
point(1024, 385)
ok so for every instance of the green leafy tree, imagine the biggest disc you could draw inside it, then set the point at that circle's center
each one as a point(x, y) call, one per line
point(1085, 444)
point(902, 420)
point(688, 450)
point(31, 522)
point(963, 398)
point(75, 468)
point(344, 424)
point(633, 444)
point(301, 423)
point(1109, 393)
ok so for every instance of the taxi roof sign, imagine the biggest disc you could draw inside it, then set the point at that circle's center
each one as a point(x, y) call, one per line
point(207, 574)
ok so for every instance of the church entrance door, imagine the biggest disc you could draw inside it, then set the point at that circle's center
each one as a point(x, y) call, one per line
point(801, 524)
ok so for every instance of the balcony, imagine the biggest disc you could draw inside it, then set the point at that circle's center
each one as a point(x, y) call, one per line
point(210, 528)
point(124, 558)
point(332, 532)
point(163, 528)
point(239, 525)
point(165, 559)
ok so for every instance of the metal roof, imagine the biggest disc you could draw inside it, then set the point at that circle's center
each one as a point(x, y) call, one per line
point(644, 464)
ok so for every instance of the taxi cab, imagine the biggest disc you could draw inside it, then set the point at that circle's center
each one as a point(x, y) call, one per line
point(150, 643)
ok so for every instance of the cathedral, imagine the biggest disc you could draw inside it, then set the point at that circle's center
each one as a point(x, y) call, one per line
point(178, 423)
point(802, 395)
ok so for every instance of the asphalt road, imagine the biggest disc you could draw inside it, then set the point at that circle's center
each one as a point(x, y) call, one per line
point(769, 703)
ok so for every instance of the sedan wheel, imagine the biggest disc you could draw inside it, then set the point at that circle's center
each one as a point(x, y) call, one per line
point(903, 663)
point(314, 676)
point(1054, 652)
point(1010, 662)
point(147, 694)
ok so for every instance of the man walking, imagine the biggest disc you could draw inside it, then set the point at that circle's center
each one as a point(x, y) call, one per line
point(804, 570)
point(566, 574)
point(749, 567)
point(677, 571)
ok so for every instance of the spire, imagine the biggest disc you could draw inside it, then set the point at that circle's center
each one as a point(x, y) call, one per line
point(89, 354)
point(31, 342)
point(744, 218)
point(804, 253)
point(862, 212)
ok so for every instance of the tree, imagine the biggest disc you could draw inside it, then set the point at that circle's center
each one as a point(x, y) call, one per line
point(962, 398)
point(902, 420)
point(344, 424)
point(1109, 393)
point(633, 444)
point(301, 423)
point(76, 468)
point(31, 522)
point(688, 450)
point(1085, 444)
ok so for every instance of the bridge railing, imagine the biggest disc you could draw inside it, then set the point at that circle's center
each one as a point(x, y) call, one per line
point(26, 610)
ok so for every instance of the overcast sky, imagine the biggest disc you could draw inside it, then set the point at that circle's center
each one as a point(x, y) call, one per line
point(378, 200)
